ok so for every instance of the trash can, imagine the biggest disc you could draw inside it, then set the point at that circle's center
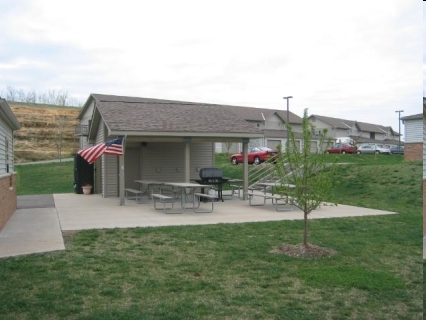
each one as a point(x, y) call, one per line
point(83, 173)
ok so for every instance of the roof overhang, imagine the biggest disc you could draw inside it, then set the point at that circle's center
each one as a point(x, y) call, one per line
point(184, 136)
point(8, 116)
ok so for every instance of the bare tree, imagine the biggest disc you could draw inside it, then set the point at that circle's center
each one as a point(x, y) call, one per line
point(11, 93)
point(52, 97)
point(228, 146)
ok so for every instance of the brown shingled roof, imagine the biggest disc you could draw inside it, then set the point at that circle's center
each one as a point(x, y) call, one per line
point(369, 127)
point(154, 115)
point(335, 122)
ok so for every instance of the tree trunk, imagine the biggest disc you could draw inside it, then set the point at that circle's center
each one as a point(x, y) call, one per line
point(305, 235)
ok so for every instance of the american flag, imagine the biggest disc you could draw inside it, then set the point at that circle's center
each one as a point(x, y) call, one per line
point(91, 154)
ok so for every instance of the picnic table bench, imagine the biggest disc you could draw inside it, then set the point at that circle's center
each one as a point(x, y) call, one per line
point(197, 200)
point(137, 194)
point(278, 201)
point(164, 200)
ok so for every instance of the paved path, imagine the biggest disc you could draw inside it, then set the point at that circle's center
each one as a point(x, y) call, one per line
point(37, 224)
point(33, 228)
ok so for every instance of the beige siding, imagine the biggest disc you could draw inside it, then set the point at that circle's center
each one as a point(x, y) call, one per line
point(163, 162)
point(166, 161)
point(202, 156)
point(111, 176)
point(85, 121)
point(274, 123)
point(6, 148)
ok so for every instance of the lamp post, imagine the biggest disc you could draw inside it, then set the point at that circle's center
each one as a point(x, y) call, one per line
point(399, 129)
point(287, 98)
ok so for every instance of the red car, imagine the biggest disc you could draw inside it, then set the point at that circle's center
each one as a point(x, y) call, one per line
point(342, 148)
point(256, 155)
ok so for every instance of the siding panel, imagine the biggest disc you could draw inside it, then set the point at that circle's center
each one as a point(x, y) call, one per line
point(6, 156)
point(166, 161)
point(424, 148)
point(414, 130)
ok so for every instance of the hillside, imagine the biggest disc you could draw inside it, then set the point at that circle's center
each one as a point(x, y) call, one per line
point(41, 129)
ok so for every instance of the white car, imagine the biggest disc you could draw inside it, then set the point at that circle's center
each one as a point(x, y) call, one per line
point(373, 148)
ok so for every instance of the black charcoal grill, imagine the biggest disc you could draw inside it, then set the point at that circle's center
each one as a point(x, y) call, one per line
point(213, 177)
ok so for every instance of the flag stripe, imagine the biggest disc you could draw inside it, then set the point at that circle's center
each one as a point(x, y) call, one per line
point(114, 147)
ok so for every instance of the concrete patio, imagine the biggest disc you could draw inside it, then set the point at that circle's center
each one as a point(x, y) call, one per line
point(37, 229)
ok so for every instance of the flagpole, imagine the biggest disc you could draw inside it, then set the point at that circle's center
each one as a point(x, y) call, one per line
point(121, 175)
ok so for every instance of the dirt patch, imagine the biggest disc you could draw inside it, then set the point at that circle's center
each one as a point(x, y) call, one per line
point(302, 251)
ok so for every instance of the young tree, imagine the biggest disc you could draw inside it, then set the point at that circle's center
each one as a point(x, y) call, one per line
point(304, 176)
point(61, 124)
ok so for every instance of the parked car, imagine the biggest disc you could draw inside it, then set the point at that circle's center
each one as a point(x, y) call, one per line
point(256, 155)
point(342, 148)
point(372, 148)
point(397, 150)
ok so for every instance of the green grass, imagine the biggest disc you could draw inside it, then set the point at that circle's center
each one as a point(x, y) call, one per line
point(48, 178)
point(227, 271)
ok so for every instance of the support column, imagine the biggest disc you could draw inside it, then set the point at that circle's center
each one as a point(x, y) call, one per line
point(245, 169)
point(121, 178)
point(187, 158)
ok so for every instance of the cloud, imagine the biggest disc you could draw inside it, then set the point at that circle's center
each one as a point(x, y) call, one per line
point(356, 60)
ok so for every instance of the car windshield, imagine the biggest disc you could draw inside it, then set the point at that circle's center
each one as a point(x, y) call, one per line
point(257, 149)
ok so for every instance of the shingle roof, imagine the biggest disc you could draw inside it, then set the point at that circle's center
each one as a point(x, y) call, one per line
point(255, 114)
point(154, 115)
point(335, 122)
point(369, 127)
point(363, 126)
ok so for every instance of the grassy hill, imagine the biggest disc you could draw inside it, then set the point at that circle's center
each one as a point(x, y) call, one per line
point(41, 129)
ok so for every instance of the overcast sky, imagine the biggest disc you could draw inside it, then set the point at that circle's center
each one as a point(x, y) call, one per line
point(357, 60)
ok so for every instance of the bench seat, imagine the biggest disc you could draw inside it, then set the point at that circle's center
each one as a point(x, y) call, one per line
point(137, 194)
point(197, 202)
point(164, 200)
point(277, 201)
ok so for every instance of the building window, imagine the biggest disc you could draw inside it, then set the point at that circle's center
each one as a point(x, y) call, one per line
point(6, 147)
point(372, 135)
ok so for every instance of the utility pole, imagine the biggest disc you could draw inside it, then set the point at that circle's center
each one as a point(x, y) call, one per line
point(399, 129)
point(288, 113)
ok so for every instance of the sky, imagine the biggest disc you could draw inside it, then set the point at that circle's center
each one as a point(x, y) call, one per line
point(358, 60)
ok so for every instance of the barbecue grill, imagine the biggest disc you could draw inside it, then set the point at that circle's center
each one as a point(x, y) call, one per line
point(212, 176)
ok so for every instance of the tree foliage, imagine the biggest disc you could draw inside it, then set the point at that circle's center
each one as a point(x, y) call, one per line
point(305, 176)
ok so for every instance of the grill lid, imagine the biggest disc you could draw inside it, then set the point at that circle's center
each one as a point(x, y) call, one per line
point(208, 173)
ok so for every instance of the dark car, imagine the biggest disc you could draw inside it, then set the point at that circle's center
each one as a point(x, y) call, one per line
point(256, 155)
point(397, 150)
point(342, 148)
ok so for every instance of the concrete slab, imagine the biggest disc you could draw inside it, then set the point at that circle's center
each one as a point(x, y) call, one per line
point(40, 229)
point(31, 231)
point(78, 212)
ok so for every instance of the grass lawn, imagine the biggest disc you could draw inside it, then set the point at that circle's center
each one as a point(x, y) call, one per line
point(227, 271)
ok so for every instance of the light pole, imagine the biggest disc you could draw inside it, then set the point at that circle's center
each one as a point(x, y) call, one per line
point(399, 129)
point(288, 98)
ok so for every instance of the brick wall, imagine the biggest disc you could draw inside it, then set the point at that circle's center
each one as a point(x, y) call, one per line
point(413, 151)
point(8, 200)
